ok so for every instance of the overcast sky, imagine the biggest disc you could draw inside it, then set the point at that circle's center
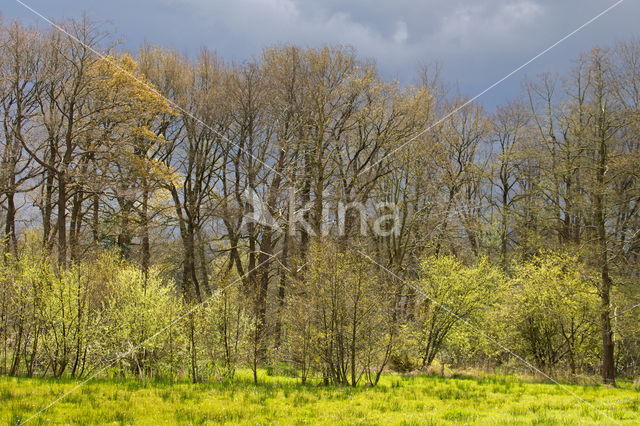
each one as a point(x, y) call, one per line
point(477, 42)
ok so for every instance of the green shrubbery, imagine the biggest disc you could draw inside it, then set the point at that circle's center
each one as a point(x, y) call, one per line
point(108, 314)
point(342, 321)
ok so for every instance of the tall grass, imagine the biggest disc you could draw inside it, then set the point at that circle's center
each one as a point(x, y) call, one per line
point(280, 399)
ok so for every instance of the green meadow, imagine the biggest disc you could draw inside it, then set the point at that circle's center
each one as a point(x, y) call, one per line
point(282, 400)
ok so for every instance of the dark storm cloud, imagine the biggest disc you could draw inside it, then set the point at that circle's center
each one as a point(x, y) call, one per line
point(477, 42)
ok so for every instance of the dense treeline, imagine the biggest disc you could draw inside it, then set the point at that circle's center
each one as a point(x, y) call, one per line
point(168, 216)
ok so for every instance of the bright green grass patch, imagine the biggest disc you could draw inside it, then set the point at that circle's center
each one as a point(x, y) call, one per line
point(397, 400)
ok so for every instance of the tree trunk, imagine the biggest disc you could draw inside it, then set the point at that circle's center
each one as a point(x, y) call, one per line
point(61, 220)
point(608, 360)
point(10, 239)
point(146, 248)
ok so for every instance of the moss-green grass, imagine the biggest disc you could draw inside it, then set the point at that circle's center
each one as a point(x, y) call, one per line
point(281, 400)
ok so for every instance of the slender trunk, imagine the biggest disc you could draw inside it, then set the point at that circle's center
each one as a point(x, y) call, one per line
point(282, 286)
point(10, 239)
point(16, 355)
point(353, 347)
point(608, 360)
point(504, 226)
point(61, 221)
point(75, 224)
point(47, 209)
point(96, 219)
point(266, 248)
point(146, 248)
point(192, 341)
point(202, 259)
point(189, 268)
point(62, 189)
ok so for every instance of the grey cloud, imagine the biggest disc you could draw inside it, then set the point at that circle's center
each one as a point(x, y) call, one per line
point(477, 42)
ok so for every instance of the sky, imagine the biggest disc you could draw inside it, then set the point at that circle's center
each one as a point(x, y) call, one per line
point(475, 42)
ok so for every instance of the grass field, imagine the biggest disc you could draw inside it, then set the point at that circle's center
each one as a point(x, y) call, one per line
point(397, 400)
